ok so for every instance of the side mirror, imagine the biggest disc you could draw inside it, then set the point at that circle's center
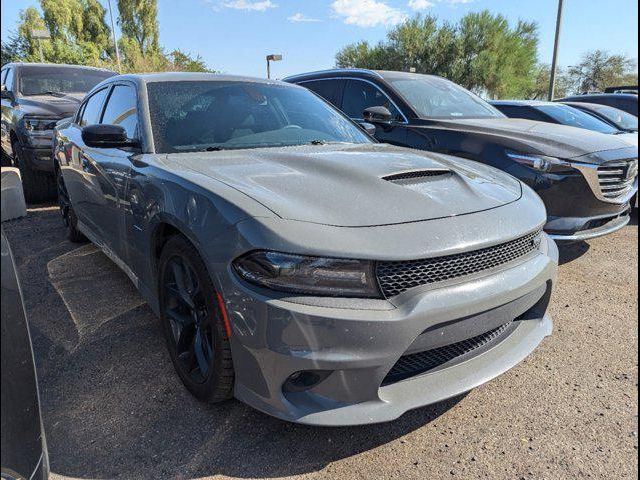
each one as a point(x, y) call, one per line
point(377, 115)
point(106, 136)
point(370, 128)
point(4, 93)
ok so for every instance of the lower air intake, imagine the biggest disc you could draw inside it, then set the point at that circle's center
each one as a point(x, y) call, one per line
point(416, 363)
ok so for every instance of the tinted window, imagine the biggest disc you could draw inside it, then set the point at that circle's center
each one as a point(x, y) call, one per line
point(93, 107)
point(622, 119)
point(573, 117)
point(122, 110)
point(434, 97)
point(3, 75)
point(522, 111)
point(9, 80)
point(330, 90)
point(359, 95)
point(39, 80)
point(217, 115)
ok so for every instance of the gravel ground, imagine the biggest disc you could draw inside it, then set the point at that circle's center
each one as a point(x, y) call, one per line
point(113, 407)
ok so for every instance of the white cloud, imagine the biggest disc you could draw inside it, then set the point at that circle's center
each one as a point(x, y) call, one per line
point(301, 17)
point(367, 13)
point(420, 4)
point(249, 5)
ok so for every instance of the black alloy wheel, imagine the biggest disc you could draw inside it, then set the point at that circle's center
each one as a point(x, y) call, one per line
point(193, 321)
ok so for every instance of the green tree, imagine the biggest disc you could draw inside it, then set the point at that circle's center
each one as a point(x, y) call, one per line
point(482, 52)
point(14, 49)
point(599, 69)
point(78, 31)
point(183, 62)
point(138, 20)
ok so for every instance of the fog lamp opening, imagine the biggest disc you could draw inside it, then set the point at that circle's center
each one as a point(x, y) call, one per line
point(305, 380)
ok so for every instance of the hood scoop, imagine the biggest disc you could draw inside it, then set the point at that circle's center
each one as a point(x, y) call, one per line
point(416, 176)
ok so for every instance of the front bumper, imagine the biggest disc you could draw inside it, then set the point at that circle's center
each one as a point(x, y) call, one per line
point(37, 150)
point(581, 229)
point(356, 343)
point(38, 158)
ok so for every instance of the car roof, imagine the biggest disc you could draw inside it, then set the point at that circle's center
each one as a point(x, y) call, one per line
point(521, 103)
point(190, 77)
point(629, 96)
point(56, 65)
point(587, 105)
point(350, 72)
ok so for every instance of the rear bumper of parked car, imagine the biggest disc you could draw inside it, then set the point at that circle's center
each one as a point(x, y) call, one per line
point(354, 353)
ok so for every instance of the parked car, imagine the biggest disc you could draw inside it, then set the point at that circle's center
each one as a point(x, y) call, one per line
point(562, 114)
point(626, 102)
point(622, 89)
point(294, 262)
point(613, 116)
point(24, 448)
point(34, 98)
point(586, 179)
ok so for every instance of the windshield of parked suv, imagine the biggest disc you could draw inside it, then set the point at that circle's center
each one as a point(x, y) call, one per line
point(433, 97)
point(219, 115)
point(52, 81)
point(622, 119)
point(573, 117)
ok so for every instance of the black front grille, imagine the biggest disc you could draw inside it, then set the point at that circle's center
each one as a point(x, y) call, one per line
point(397, 277)
point(416, 363)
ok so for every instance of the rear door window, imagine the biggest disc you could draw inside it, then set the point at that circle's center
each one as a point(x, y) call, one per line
point(330, 90)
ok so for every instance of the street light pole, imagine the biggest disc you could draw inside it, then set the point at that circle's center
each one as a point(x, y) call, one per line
point(272, 58)
point(554, 62)
point(115, 42)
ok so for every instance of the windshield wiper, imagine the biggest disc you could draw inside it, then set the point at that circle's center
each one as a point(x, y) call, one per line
point(215, 149)
point(57, 94)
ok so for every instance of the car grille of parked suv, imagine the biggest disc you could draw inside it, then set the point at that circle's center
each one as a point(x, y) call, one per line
point(422, 362)
point(397, 277)
point(617, 178)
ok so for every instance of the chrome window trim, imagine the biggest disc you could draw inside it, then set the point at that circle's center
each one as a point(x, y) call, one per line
point(405, 120)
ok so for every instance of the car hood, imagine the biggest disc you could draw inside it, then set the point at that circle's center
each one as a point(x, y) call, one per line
point(630, 138)
point(50, 105)
point(542, 138)
point(353, 185)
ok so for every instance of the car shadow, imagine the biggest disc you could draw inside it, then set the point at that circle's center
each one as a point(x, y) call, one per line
point(112, 403)
point(570, 251)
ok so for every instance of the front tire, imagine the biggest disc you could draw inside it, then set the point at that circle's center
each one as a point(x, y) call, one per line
point(38, 186)
point(193, 322)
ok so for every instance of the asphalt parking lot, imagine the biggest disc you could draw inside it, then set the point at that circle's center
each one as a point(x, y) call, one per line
point(114, 408)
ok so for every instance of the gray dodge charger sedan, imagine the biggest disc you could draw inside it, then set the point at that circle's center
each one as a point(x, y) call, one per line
point(294, 262)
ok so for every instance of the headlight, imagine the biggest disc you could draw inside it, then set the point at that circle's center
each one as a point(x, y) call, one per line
point(333, 277)
point(35, 124)
point(541, 163)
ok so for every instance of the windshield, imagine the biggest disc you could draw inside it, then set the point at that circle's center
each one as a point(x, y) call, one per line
point(624, 120)
point(573, 117)
point(433, 97)
point(219, 115)
point(44, 80)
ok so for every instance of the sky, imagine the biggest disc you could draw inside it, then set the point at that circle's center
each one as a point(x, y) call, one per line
point(234, 36)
